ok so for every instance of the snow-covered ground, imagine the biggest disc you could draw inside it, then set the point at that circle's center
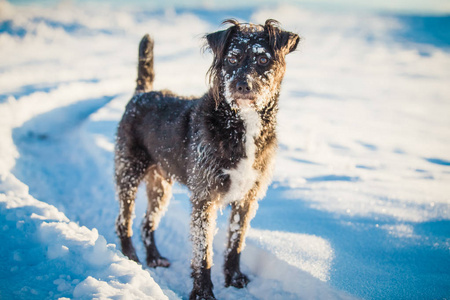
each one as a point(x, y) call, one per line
point(360, 202)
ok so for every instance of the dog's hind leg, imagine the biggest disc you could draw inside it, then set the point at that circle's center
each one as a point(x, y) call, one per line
point(241, 214)
point(159, 191)
point(130, 168)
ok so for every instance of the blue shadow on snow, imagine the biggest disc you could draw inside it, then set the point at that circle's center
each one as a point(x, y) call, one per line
point(369, 262)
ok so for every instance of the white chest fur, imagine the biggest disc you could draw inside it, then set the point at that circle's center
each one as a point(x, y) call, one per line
point(244, 176)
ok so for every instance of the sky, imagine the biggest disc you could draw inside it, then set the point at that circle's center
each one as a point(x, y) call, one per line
point(385, 6)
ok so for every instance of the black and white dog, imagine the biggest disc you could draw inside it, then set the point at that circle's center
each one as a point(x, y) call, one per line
point(221, 146)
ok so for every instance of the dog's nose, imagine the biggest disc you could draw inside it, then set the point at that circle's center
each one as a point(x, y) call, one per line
point(244, 86)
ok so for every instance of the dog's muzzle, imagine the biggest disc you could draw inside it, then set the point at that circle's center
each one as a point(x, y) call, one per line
point(244, 91)
point(244, 87)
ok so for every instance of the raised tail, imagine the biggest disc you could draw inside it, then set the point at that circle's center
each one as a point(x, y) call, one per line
point(146, 74)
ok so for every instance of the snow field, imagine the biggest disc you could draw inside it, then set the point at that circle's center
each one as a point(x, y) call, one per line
point(359, 204)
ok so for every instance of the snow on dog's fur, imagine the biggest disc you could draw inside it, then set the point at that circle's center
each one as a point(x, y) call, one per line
point(221, 146)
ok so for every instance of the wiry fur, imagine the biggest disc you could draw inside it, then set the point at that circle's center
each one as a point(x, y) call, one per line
point(221, 146)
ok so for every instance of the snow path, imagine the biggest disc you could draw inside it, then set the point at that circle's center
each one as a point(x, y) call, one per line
point(359, 204)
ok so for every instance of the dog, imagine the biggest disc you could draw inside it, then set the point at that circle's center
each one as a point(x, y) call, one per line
point(221, 146)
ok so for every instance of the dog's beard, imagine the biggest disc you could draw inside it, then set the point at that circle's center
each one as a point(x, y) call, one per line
point(257, 99)
point(246, 103)
point(238, 101)
point(256, 102)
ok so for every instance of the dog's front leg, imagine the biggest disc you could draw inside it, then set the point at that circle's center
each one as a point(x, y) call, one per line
point(203, 223)
point(241, 214)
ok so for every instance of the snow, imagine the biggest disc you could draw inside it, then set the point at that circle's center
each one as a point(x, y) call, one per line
point(48, 256)
point(359, 206)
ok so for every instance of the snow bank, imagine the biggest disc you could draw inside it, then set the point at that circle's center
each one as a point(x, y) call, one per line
point(311, 254)
point(59, 258)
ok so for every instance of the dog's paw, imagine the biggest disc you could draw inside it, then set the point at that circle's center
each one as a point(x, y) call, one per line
point(128, 250)
point(238, 280)
point(202, 295)
point(133, 256)
point(154, 262)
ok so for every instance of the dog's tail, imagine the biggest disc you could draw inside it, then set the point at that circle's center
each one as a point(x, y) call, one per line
point(146, 74)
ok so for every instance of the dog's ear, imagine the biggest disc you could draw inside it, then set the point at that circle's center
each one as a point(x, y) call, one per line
point(217, 41)
point(288, 41)
point(281, 40)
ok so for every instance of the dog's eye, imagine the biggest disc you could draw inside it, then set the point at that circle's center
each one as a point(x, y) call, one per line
point(232, 60)
point(263, 60)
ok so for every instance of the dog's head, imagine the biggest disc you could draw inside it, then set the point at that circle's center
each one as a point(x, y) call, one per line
point(249, 64)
